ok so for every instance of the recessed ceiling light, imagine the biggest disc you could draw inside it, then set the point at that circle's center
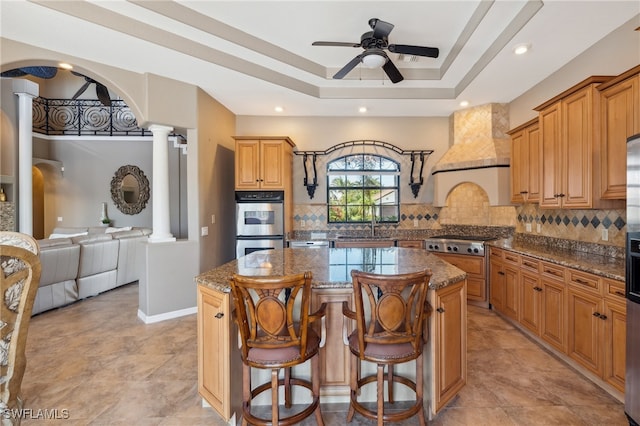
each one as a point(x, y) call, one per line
point(521, 49)
point(65, 66)
point(279, 109)
point(362, 109)
point(464, 103)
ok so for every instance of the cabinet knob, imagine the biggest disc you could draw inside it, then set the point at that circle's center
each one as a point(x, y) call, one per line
point(219, 315)
point(597, 314)
point(500, 273)
point(440, 310)
point(619, 293)
point(603, 317)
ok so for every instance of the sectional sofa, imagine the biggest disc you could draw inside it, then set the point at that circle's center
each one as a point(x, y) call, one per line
point(81, 262)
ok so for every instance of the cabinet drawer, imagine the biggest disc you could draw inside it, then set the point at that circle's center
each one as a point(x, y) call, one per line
point(614, 289)
point(529, 264)
point(510, 257)
point(469, 264)
point(495, 253)
point(411, 243)
point(550, 270)
point(584, 280)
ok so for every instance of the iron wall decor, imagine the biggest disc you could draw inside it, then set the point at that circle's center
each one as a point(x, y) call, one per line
point(130, 189)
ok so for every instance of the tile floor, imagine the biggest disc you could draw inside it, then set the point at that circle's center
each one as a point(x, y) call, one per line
point(102, 365)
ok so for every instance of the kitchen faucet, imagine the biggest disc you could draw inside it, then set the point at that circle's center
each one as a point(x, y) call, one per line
point(373, 224)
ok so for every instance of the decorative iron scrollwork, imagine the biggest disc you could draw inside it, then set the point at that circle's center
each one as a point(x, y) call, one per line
point(311, 187)
point(415, 185)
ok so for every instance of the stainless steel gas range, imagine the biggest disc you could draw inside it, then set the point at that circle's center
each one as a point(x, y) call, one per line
point(469, 254)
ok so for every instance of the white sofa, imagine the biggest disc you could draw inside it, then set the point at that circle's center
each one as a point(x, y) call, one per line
point(86, 263)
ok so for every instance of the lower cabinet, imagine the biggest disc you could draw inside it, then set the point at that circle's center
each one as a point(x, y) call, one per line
point(504, 282)
point(449, 340)
point(579, 314)
point(219, 362)
point(474, 266)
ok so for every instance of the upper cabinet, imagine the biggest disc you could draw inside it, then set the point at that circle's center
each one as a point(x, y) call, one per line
point(570, 148)
point(620, 119)
point(525, 162)
point(263, 163)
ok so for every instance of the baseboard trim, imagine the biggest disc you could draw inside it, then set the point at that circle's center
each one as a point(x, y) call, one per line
point(150, 319)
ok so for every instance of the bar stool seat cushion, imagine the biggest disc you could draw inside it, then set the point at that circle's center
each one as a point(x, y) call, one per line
point(282, 355)
point(387, 352)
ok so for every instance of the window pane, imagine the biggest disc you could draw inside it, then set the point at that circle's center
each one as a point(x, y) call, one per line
point(355, 196)
point(338, 164)
point(386, 164)
point(388, 180)
point(371, 162)
point(337, 214)
point(371, 180)
point(355, 214)
point(337, 197)
point(354, 162)
point(355, 180)
point(337, 180)
point(389, 213)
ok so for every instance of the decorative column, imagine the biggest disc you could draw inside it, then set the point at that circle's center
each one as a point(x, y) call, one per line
point(160, 185)
point(26, 91)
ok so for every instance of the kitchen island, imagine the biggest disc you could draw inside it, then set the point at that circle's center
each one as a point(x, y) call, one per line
point(219, 363)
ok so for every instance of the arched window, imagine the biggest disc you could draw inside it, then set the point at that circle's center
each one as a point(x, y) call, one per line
point(362, 185)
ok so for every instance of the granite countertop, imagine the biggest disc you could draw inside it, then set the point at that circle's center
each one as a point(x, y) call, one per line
point(604, 266)
point(331, 267)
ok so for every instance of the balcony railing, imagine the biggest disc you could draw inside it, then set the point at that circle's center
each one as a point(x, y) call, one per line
point(82, 117)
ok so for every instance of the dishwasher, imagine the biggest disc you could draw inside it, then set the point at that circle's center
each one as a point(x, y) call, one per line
point(309, 244)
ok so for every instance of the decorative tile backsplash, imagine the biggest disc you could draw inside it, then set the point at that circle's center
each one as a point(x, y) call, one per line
point(468, 204)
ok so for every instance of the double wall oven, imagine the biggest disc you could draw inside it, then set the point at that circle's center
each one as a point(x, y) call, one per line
point(467, 253)
point(259, 221)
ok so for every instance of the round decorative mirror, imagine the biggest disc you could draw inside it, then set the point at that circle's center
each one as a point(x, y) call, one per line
point(130, 189)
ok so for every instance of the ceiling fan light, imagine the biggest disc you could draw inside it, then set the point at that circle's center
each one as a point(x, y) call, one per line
point(374, 60)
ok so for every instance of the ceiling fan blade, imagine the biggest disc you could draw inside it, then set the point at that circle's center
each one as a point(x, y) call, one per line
point(392, 72)
point(41, 72)
point(13, 73)
point(81, 89)
point(336, 43)
point(103, 94)
point(351, 65)
point(381, 29)
point(431, 52)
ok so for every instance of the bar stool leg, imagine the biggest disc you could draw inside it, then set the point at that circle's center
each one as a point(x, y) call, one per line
point(315, 385)
point(353, 383)
point(380, 383)
point(419, 389)
point(390, 382)
point(246, 391)
point(275, 417)
point(287, 387)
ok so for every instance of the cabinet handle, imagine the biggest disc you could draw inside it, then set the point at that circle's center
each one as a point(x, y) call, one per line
point(537, 289)
point(500, 273)
point(219, 315)
point(530, 265)
point(603, 317)
point(619, 293)
point(597, 314)
point(440, 310)
point(583, 282)
point(549, 271)
point(524, 192)
point(561, 195)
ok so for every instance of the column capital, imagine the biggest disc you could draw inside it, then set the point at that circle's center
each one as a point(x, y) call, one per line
point(159, 128)
point(24, 87)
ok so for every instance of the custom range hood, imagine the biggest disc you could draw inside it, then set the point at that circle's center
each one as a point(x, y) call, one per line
point(480, 154)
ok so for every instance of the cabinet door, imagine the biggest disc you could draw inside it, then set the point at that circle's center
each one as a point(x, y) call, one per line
point(496, 284)
point(475, 269)
point(215, 352)
point(247, 164)
point(550, 156)
point(577, 135)
point(272, 164)
point(530, 295)
point(615, 338)
point(519, 166)
point(533, 161)
point(585, 328)
point(553, 328)
point(334, 356)
point(511, 303)
point(450, 316)
point(620, 111)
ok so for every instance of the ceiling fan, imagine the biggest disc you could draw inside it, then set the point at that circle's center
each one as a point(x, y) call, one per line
point(374, 44)
point(101, 90)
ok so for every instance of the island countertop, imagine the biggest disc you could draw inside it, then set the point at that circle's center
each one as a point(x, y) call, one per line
point(331, 267)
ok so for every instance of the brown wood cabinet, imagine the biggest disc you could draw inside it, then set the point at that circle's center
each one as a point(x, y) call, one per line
point(474, 266)
point(620, 119)
point(411, 243)
point(334, 356)
point(263, 163)
point(525, 162)
point(449, 341)
point(504, 282)
point(219, 361)
point(576, 313)
point(569, 148)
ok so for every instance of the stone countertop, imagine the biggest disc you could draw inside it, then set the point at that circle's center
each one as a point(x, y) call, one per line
point(604, 266)
point(331, 267)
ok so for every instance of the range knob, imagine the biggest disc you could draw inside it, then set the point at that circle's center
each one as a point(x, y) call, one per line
point(455, 248)
point(469, 250)
point(430, 246)
point(475, 250)
point(436, 247)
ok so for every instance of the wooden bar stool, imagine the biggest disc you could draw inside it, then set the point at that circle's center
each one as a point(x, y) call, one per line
point(275, 328)
point(389, 331)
